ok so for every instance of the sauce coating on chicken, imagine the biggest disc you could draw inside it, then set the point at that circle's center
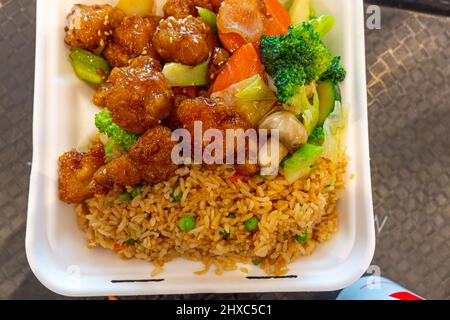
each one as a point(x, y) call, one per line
point(152, 155)
point(76, 172)
point(132, 38)
point(214, 114)
point(148, 160)
point(91, 27)
point(138, 96)
point(186, 41)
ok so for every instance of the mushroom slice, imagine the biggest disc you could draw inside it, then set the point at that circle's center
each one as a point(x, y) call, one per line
point(292, 133)
point(270, 156)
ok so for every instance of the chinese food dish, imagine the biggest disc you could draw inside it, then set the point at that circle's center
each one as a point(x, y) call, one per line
point(231, 66)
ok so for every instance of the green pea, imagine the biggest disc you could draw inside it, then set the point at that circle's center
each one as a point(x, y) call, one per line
point(187, 223)
point(176, 194)
point(256, 262)
point(135, 192)
point(125, 196)
point(251, 224)
point(302, 238)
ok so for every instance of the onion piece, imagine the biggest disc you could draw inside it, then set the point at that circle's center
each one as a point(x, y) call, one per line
point(242, 17)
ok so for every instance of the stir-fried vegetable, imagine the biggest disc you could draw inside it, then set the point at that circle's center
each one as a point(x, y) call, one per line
point(279, 19)
point(276, 23)
point(180, 75)
point(137, 7)
point(252, 98)
point(231, 41)
point(309, 112)
point(317, 137)
point(209, 16)
point(299, 164)
point(105, 124)
point(113, 151)
point(329, 93)
point(335, 128)
point(88, 66)
point(287, 4)
point(256, 261)
point(336, 73)
point(292, 133)
point(244, 18)
point(243, 64)
point(299, 11)
point(276, 10)
point(297, 58)
point(268, 159)
point(187, 223)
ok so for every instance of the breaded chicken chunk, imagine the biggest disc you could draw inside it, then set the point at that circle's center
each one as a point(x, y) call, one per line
point(149, 159)
point(121, 171)
point(214, 114)
point(186, 41)
point(132, 38)
point(91, 27)
point(138, 96)
point(76, 171)
point(152, 155)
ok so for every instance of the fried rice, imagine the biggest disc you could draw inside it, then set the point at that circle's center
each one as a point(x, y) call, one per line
point(146, 227)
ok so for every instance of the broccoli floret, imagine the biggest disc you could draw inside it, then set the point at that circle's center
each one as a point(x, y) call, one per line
point(336, 72)
point(105, 124)
point(317, 137)
point(297, 58)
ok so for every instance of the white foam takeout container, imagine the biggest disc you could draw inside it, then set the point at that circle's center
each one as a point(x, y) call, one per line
point(64, 118)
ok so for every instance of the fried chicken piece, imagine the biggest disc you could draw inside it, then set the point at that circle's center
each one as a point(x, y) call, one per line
point(219, 58)
point(116, 55)
point(76, 171)
point(138, 96)
point(121, 171)
point(91, 27)
point(214, 114)
point(186, 41)
point(184, 8)
point(149, 159)
point(132, 38)
point(152, 155)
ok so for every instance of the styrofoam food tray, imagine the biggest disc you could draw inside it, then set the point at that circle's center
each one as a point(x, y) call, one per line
point(64, 118)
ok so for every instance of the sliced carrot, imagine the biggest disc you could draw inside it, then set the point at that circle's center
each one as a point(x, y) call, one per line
point(277, 11)
point(231, 41)
point(243, 64)
point(273, 27)
point(118, 247)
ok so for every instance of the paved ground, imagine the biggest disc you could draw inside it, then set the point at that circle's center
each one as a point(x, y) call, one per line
point(408, 85)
